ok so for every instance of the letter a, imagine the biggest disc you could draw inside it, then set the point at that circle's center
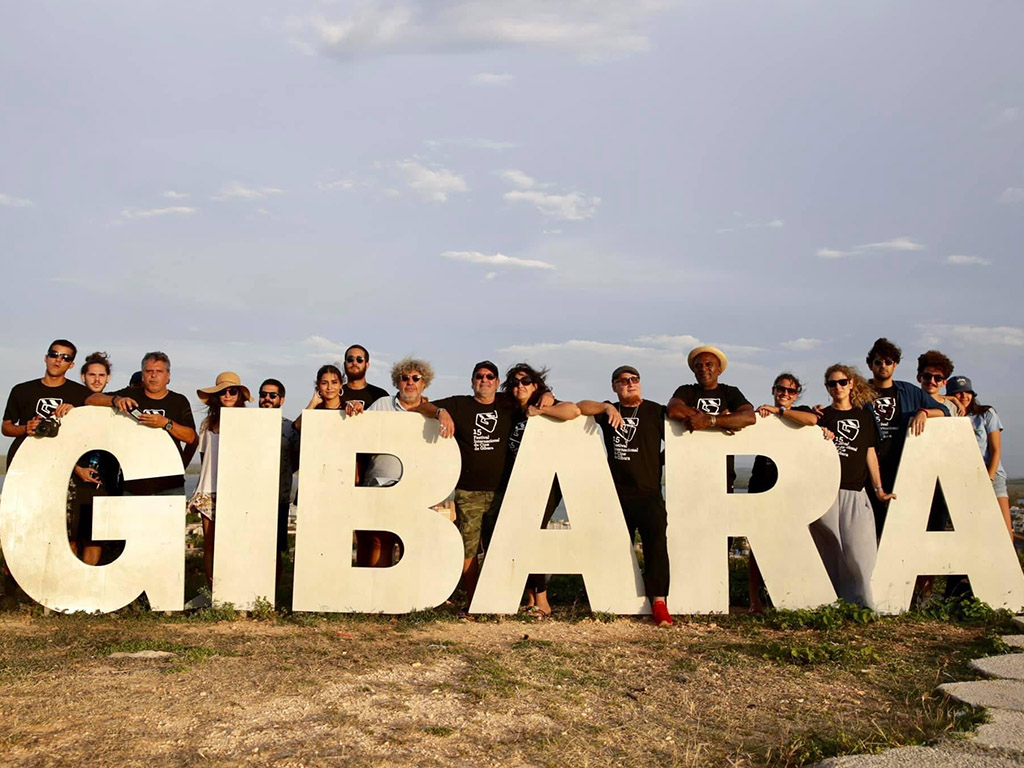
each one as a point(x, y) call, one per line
point(979, 544)
point(34, 533)
point(597, 545)
point(702, 515)
point(331, 507)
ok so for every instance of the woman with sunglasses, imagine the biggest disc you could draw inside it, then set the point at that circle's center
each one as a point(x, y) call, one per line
point(845, 535)
point(786, 390)
point(227, 392)
point(326, 392)
point(529, 388)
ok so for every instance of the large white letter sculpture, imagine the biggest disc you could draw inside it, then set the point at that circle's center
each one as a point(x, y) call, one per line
point(597, 546)
point(979, 545)
point(248, 476)
point(702, 515)
point(331, 507)
point(34, 535)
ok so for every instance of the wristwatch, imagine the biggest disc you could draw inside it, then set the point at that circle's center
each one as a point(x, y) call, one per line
point(782, 409)
point(439, 412)
point(168, 426)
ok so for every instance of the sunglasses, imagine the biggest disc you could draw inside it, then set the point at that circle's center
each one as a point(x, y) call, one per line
point(55, 355)
point(883, 361)
point(625, 381)
point(264, 395)
point(936, 377)
point(413, 377)
point(787, 390)
point(484, 376)
point(355, 359)
point(833, 383)
point(522, 381)
point(230, 391)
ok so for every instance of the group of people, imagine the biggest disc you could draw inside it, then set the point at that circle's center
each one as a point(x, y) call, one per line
point(867, 420)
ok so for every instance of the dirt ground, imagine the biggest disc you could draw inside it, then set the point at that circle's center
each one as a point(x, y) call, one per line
point(424, 691)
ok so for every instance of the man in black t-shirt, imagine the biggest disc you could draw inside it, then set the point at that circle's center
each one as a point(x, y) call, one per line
point(50, 397)
point(158, 408)
point(481, 424)
point(708, 403)
point(634, 430)
point(357, 390)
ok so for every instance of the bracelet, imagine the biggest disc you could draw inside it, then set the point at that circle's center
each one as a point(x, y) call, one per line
point(713, 420)
point(113, 402)
point(879, 488)
point(438, 414)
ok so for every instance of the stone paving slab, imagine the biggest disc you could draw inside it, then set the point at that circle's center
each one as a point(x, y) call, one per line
point(1014, 641)
point(999, 694)
point(947, 755)
point(1009, 666)
point(1019, 621)
point(1005, 731)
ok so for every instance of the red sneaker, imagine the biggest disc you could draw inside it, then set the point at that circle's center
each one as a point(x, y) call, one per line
point(660, 614)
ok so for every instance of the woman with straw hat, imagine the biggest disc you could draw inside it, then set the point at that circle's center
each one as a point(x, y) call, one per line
point(227, 392)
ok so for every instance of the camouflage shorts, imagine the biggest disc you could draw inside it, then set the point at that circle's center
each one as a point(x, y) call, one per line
point(471, 507)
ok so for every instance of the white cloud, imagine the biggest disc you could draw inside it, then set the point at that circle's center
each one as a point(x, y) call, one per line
point(569, 207)
point(1012, 195)
point(832, 253)
point(518, 178)
point(474, 143)
point(801, 345)
point(961, 260)
point(330, 186)
point(972, 335)
point(236, 190)
point(776, 224)
point(490, 275)
point(685, 342)
point(171, 194)
point(590, 347)
point(592, 29)
point(1011, 114)
point(492, 78)
point(896, 244)
point(147, 213)
point(497, 260)
point(434, 184)
point(10, 201)
point(323, 348)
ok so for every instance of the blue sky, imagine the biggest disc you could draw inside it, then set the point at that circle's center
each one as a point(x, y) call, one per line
point(253, 186)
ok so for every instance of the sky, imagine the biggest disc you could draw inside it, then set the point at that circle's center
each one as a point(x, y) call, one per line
point(253, 186)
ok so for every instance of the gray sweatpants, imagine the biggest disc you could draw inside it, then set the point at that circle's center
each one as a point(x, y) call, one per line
point(845, 537)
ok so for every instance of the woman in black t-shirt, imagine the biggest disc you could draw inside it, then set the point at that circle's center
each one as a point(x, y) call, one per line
point(530, 390)
point(845, 535)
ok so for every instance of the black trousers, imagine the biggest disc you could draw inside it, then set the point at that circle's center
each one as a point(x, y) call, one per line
point(647, 515)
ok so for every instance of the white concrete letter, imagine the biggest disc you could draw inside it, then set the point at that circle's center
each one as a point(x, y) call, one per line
point(979, 545)
point(32, 518)
point(701, 515)
point(331, 507)
point(597, 546)
point(248, 475)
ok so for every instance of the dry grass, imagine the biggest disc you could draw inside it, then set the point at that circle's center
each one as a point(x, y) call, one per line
point(428, 690)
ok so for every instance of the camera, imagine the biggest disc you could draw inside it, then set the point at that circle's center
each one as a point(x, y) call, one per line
point(48, 427)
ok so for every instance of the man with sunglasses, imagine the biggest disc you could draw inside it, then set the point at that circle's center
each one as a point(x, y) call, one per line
point(357, 390)
point(709, 404)
point(898, 405)
point(634, 430)
point(49, 397)
point(481, 424)
point(157, 408)
point(271, 395)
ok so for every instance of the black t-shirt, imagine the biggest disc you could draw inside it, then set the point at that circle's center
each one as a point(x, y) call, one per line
point(634, 449)
point(173, 406)
point(855, 432)
point(33, 398)
point(482, 432)
point(891, 434)
point(722, 399)
point(765, 473)
point(368, 395)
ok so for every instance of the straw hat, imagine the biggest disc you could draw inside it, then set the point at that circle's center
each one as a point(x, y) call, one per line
point(707, 348)
point(224, 380)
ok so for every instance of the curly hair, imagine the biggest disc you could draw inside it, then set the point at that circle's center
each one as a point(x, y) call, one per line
point(539, 378)
point(791, 377)
point(861, 392)
point(97, 358)
point(408, 365)
point(935, 359)
point(883, 348)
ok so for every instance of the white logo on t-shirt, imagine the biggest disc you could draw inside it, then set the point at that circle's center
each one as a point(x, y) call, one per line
point(848, 429)
point(516, 437)
point(712, 405)
point(47, 406)
point(885, 407)
point(487, 421)
point(157, 411)
point(624, 435)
